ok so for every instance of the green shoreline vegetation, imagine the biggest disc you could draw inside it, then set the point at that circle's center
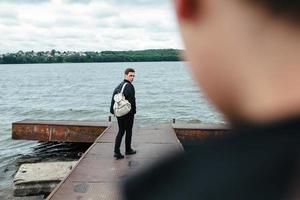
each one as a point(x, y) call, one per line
point(54, 56)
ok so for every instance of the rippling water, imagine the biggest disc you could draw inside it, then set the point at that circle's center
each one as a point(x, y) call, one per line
point(164, 90)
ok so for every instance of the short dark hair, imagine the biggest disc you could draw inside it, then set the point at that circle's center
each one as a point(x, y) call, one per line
point(128, 70)
point(289, 9)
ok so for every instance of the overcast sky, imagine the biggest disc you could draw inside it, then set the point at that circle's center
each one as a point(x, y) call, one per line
point(87, 25)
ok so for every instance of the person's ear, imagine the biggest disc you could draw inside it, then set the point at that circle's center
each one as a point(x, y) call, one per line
point(186, 9)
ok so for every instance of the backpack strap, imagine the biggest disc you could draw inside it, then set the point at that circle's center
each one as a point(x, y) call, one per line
point(123, 88)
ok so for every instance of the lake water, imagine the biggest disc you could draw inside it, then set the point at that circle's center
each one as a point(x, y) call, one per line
point(82, 91)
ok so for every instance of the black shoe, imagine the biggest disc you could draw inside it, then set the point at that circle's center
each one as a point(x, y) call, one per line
point(130, 152)
point(118, 156)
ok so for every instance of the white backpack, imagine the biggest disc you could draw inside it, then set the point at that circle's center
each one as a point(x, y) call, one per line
point(121, 106)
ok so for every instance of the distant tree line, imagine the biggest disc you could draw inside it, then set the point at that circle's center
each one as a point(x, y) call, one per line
point(81, 57)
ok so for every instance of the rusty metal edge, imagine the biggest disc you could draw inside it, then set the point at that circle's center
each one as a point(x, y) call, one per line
point(17, 123)
point(40, 122)
point(202, 129)
point(186, 127)
point(59, 125)
point(82, 157)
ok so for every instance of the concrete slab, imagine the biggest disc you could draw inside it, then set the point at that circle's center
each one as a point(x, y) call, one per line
point(40, 178)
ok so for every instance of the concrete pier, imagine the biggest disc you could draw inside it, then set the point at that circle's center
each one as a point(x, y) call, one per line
point(97, 174)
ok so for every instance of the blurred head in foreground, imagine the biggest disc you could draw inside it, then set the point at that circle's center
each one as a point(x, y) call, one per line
point(245, 54)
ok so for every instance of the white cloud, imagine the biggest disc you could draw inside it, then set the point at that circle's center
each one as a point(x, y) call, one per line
point(86, 25)
point(24, 1)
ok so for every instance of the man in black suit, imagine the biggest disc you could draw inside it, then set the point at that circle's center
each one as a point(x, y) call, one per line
point(125, 122)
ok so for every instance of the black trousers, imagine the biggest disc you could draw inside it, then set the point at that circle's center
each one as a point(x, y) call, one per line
point(125, 125)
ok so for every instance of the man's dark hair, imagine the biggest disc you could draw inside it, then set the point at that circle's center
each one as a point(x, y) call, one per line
point(289, 9)
point(129, 70)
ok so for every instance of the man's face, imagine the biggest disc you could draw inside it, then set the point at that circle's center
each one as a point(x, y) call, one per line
point(130, 76)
